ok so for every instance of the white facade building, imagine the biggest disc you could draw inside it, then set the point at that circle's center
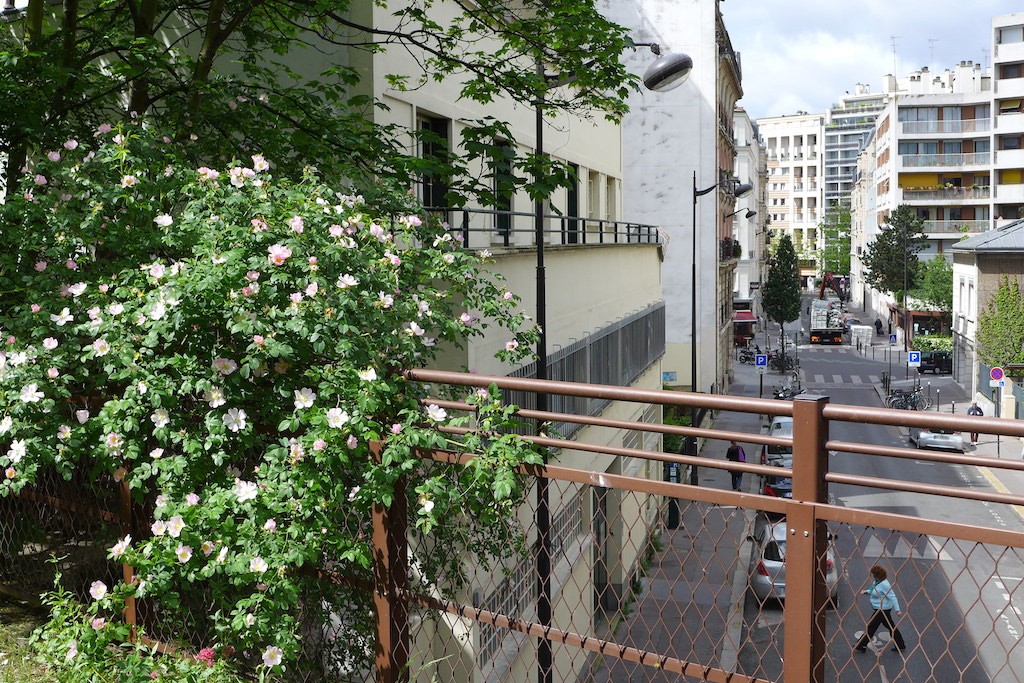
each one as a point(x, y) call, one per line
point(668, 140)
point(794, 199)
point(1008, 117)
point(748, 231)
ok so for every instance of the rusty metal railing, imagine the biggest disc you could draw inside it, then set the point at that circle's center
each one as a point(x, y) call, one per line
point(812, 521)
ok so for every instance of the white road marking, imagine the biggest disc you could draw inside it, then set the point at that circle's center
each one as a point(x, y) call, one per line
point(855, 379)
point(874, 379)
point(838, 379)
point(819, 379)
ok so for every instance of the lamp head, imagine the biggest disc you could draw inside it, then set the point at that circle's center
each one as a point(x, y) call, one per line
point(668, 72)
point(750, 213)
point(740, 189)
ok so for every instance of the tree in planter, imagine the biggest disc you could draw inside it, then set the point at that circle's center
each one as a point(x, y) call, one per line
point(1001, 326)
point(780, 294)
point(227, 341)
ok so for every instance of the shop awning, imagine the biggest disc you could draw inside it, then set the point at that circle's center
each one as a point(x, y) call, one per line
point(743, 317)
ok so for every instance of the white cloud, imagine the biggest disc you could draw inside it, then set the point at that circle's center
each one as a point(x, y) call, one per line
point(804, 54)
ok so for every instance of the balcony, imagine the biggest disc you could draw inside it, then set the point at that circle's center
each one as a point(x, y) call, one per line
point(1009, 87)
point(945, 160)
point(1010, 194)
point(923, 194)
point(1009, 52)
point(729, 249)
point(939, 127)
point(949, 227)
point(1009, 124)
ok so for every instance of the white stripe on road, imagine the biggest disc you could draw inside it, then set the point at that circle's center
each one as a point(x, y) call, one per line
point(819, 379)
point(855, 379)
point(874, 379)
point(838, 379)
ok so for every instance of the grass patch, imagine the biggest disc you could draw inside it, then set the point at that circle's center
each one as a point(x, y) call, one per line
point(16, 624)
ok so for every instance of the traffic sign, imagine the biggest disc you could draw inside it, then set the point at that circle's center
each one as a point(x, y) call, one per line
point(761, 360)
point(914, 359)
point(996, 373)
point(892, 339)
point(994, 383)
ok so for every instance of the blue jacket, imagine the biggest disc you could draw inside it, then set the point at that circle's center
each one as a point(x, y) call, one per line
point(883, 596)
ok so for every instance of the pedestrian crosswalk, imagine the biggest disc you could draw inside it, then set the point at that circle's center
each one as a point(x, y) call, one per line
point(854, 380)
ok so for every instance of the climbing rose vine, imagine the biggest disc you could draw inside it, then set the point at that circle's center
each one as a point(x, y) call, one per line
point(229, 343)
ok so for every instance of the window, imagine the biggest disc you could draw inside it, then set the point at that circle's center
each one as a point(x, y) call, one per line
point(503, 184)
point(1009, 106)
point(919, 114)
point(434, 145)
point(1011, 34)
point(1011, 71)
point(1009, 142)
point(982, 146)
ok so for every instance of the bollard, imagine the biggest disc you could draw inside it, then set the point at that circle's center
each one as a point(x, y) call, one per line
point(938, 394)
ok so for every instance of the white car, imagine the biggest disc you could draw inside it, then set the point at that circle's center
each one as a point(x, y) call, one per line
point(768, 577)
point(773, 455)
point(943, 439)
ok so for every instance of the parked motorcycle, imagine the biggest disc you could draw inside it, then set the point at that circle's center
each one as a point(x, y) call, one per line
point(747, 356)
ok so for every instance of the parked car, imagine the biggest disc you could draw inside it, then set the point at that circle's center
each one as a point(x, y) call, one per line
point(780, 426)
point(936, 362)
point(778, 487)
point(768, 578)
point(943, 439)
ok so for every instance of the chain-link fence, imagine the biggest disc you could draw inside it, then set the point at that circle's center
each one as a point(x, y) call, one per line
point(646, 579)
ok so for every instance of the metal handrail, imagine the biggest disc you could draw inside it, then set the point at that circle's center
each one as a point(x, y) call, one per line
point(570, 230)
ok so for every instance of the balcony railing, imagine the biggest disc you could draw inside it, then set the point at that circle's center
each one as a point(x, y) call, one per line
point(955, 226)
point(729, 249)
point(965, 126)
point(919, 160)
point(485, 228)
point(942, 193)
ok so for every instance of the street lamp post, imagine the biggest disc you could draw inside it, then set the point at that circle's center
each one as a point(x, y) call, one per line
point(738, 190)
point(669, 71)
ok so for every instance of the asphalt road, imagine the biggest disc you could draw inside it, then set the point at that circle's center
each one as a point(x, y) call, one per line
point(951, 592)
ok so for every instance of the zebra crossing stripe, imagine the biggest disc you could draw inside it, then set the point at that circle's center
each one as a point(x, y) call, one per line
point(838, 379)
point(819, 379)
point(855, 379)
point(874, 379)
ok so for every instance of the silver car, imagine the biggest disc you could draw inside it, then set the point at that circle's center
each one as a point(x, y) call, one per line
point(768, 577)
point(944, 439)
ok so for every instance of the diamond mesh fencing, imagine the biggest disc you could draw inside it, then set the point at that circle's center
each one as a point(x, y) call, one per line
point(643, 585)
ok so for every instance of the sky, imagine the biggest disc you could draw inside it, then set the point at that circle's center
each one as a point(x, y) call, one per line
point(805, 54)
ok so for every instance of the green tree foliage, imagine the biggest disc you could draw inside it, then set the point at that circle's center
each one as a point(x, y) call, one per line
point(935, 284)
point(835, 231)
point(1001, 326)
point(892, 259)
point(781, 290)
point(293, 79)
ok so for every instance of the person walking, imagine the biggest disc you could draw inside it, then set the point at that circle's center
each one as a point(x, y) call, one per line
point(976, 411)
point(883, 601)
point(736, 454)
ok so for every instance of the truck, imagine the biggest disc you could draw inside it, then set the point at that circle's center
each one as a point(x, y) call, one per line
point(826, 322)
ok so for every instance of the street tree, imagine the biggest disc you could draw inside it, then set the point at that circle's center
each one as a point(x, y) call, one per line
point(1001, 326)
point(891, 260)
point(935, 284)
point(781, 290)
point(835, 231)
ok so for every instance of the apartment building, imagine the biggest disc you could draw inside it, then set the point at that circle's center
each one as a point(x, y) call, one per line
point(848, 125)
point(748, 230)
point(1008, 117)
point(793, 148)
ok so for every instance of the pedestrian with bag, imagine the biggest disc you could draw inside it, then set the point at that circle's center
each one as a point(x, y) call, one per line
point(883, 602)
point(736, 454)
point(976, 411)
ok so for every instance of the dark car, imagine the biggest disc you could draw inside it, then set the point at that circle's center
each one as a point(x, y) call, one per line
point(936, 362)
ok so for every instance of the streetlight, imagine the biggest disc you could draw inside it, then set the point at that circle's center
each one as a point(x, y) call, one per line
point(737, 189)
point(667, 72)
point(748, 215)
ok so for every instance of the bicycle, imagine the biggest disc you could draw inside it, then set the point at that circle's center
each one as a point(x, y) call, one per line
point(913, 399)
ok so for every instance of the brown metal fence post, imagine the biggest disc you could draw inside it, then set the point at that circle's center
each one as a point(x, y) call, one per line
point(806, 594)
point(390, 584)
point(128, 571)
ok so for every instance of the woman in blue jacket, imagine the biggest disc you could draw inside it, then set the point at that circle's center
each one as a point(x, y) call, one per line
point(883, 601)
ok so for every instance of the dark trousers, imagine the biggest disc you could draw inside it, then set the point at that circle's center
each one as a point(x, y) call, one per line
point(881, 616)
point(737, 480)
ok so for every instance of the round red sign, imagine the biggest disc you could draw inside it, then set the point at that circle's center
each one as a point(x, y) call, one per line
point(996, 373)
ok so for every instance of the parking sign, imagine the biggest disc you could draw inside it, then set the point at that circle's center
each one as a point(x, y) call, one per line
point(914, 359)
point(761, 360)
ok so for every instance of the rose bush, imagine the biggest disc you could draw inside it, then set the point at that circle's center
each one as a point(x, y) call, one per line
point(228, 342)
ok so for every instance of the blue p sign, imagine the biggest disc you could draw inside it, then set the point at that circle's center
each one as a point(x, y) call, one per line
point(761, 360)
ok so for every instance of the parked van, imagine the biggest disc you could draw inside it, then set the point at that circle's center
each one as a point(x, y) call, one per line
point(772, 455)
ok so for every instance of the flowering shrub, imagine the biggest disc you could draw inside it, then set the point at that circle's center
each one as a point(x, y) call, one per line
point(227, 342)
